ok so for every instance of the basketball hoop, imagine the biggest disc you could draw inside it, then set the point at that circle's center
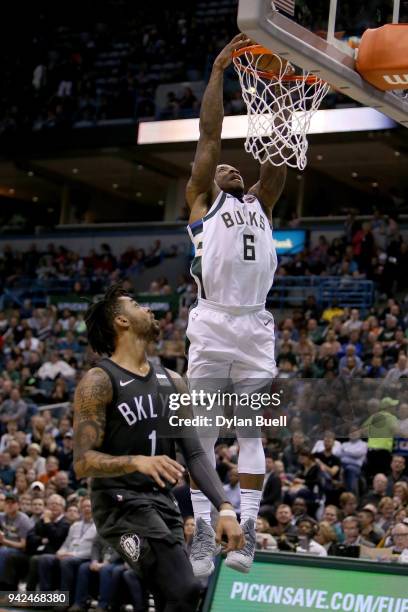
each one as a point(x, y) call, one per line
point(280, 101)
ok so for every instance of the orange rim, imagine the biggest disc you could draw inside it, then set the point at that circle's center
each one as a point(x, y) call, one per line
point(269, 74)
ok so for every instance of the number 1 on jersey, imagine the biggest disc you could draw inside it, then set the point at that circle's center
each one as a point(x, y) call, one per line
point(249, 247)
point(152, 437)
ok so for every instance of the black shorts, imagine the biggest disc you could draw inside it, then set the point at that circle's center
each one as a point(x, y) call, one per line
point(129, 519)
point(146, 529)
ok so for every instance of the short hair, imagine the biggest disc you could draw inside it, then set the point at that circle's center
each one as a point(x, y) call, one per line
point(306, 451)
point(347, 497)
point(99, 319)
point(58, 498)
point(350, 519)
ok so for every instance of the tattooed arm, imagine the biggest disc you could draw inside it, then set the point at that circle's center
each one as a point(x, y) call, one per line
point(92, 396)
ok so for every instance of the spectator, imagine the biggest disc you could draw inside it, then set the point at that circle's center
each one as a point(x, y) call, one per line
point(7, 473)
point(353, 455)
point(272, 487)
point(14, 409)
point(378, 491)
point(331, 517)
point(11, 428)
point(330, 469)
point(34, 451)
point(65, 453)
point(380, 427)
point(75, 549)
point(61, 481)
point(401, 369)
point(400, 539)
point(291, 453)
point(299, 508)
point(14, 451)
point(307, 529)
point(329, 440)
point(37, 508)
point(72, 514)
point(51, 469)
point(14, 526)
point(284, 531)
point(370, 535)
point(385, 518)
point(307, 481)
point(348, 504)
point(48, 445)
point(326, 536)
point(55, 367)
point(397, 474)
point(107, 566)
point(352, 539)
point(264, 539)
point(232, 489)
point(46, 537)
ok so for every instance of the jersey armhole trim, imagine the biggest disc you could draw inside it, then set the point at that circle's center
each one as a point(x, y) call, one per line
point(217, 208)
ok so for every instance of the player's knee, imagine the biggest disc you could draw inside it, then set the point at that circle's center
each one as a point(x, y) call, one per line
point(251, 458)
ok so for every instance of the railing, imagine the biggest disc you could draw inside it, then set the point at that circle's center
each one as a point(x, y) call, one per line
point(287, 291)
point(293, 290)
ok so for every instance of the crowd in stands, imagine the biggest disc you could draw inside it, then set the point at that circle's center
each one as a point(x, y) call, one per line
point(78, 69)
point(374, 250)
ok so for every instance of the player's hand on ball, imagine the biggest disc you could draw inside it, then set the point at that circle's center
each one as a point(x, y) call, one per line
point(224, 59)
point(160, 468)
point(229, 527)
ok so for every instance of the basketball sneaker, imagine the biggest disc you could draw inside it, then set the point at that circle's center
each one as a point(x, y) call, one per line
point(241, 560)
point(203, 549)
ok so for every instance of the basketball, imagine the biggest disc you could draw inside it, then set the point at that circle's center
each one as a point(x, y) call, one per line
point(272, 63)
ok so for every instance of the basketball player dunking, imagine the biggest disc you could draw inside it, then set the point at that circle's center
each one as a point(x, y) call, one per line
point(231, 334)
point(118, 412)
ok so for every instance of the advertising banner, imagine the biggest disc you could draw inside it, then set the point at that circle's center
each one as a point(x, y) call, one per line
point(281, 587)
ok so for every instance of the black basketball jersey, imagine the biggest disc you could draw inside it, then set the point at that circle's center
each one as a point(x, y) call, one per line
point(136, 421)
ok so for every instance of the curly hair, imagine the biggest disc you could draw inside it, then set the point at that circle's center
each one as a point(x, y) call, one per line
point(99, 319)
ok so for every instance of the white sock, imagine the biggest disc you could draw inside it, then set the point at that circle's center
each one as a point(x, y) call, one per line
point(201, 506)
point(250, 502)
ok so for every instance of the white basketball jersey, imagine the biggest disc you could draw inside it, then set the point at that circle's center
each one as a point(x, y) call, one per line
point(235, 256)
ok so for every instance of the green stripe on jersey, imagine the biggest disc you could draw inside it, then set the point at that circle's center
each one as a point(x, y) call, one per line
point(197, 272)
point(217, 208)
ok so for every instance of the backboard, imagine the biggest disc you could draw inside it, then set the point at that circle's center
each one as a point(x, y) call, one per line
point(320, 37)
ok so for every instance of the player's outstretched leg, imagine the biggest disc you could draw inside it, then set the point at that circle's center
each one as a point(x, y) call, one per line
point(251, 467)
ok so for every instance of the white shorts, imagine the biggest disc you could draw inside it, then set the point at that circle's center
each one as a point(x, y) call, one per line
point(233, 344)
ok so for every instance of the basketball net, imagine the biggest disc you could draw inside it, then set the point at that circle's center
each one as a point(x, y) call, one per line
point(280, 105)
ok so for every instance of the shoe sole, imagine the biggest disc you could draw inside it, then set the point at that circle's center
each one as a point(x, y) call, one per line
point(238, 567)
point(204, 574)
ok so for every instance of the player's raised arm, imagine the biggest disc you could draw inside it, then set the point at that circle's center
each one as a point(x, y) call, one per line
point(208, 149)
point(92, 396)
point(269, 187)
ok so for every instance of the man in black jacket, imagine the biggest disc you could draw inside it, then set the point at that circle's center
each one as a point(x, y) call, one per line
point(272, 491)
point(47, 536)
